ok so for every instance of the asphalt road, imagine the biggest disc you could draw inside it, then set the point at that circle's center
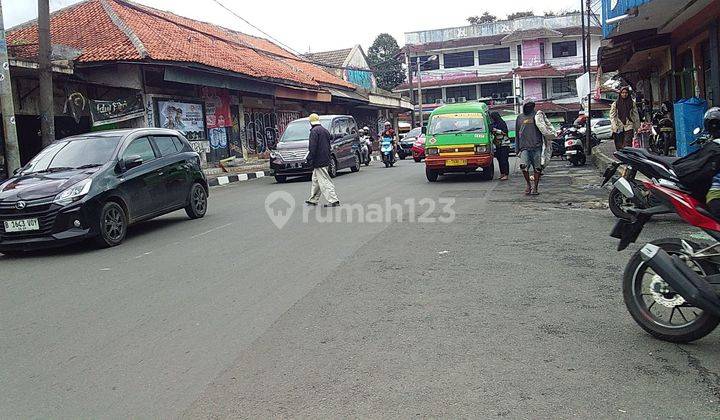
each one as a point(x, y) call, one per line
point(513, 309)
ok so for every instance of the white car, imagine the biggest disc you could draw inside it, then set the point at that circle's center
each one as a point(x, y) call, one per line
point(601, 127)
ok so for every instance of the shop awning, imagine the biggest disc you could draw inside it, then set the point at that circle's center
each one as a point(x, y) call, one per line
point(347, 95)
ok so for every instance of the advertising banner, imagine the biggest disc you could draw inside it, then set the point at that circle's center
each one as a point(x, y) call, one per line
point(185, 117)
point(217, 107)
point(108, 112)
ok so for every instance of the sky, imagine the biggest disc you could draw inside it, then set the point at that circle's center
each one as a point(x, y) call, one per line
point(321, 25)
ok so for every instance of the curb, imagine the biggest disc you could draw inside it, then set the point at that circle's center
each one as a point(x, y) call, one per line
point(229, 179)
point(601, 160)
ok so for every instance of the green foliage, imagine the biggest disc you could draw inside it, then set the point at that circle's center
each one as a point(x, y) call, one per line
point(518, 15)
point(383, 60)
point(485, 18)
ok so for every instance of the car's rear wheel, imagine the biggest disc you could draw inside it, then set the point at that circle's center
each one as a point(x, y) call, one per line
point(280, 179)
point(112, 225)
point(197, 204)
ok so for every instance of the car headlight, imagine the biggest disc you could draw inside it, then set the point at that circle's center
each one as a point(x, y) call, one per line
point(74, 193)
point(433, 151)
point(480, 149)
point(274, 154)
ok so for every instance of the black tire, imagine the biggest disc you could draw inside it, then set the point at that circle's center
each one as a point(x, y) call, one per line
point(356, 164)
point(637, 305)
point(616, 202)
point(488, 174)
point(112, 225)
point(402, 155)
point(332, 169)
point(13, 254)
point(280, 179)
point(197, 202)
point(432, 176)
point(417, 159)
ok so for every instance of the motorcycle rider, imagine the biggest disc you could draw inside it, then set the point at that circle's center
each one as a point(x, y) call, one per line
point(388, 131)
point(712, 126)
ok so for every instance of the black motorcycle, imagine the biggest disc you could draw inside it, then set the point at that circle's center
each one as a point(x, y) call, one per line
point(652, 166)
point(664, 134)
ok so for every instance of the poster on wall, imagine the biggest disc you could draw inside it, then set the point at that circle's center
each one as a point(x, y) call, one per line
point(217, 107)
point(185, 117)
point(108, 112)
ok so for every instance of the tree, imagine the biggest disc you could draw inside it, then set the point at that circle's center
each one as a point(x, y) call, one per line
point(479, 20)
point(383, 60)
point(518, 15)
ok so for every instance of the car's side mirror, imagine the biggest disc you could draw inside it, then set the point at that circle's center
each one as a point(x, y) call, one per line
point(132, 161)
point(424, 130)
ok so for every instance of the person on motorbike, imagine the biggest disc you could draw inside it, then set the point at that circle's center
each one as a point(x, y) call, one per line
point(711, 122)
point(368, 138)
point(388, 131)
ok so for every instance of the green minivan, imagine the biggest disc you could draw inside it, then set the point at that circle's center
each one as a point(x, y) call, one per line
point(459, 140)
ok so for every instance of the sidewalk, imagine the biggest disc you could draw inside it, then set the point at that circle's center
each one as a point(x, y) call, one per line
point(602, 155)
point(245, 171)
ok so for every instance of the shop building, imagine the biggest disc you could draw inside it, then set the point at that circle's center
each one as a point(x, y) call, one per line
point(121, 64)
point(667, 49)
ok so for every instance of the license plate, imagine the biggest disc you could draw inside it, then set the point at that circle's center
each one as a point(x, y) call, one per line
point(295, 165)
point(24, 225)
point(455, 162)
point(571, 152)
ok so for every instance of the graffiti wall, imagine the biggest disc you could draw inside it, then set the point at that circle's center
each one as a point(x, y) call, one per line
point(362, 78)
point(264, 127)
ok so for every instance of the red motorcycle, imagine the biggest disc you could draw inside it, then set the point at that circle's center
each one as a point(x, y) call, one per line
point(671, 287)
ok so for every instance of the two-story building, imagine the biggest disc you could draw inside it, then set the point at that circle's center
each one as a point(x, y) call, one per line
point(501, 63)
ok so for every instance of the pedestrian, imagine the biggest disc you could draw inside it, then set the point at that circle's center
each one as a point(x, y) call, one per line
point(624, 119)
point(319, 159)
point(502, 143)
point(532, 127)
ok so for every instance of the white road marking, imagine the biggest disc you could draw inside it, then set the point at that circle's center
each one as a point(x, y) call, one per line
point(243, 177)
point(223, 180)
point(260, 174)
point(211, 230)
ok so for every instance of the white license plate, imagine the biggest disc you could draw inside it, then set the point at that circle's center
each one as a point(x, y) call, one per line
point(571, 152)
point(24, 225)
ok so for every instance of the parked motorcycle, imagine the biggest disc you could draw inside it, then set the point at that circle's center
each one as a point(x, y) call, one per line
point(671, 287)
point(387, 151)
point(663, 133)
point(574, 149)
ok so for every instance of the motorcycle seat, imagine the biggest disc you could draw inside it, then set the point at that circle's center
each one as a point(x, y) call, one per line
point(666, 161)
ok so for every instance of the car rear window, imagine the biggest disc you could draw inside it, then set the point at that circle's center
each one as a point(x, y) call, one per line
point(165, 145)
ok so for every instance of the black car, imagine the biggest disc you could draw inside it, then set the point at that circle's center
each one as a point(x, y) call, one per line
point(95, 185)
point(290, 156)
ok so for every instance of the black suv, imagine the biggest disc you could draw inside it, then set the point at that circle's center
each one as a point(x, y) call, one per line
point(290, 156)
point(95, 185)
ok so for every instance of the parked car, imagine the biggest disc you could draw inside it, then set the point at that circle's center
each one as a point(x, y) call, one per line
point(601, 128)
point(418, 149)
point(95, 185)
point(511, 120)
point(407, 142)
point(289, 159)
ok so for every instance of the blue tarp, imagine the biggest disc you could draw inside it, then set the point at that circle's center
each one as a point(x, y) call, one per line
point(620, 8)
point(689, 115)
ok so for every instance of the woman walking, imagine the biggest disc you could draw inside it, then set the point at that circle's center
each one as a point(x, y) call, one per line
point(502, 144)
point(624, 119)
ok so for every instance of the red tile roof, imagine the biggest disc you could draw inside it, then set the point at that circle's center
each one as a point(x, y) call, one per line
point(114, 30)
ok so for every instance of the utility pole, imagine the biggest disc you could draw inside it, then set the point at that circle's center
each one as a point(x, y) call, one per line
point(47, 110)
point(12, 151)
point(420, 101)
point(588, 124)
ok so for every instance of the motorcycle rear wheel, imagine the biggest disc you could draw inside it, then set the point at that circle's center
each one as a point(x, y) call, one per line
point(640, 302)
point(617, 201)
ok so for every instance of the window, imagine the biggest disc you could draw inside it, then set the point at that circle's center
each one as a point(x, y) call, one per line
point(178, 144)
point(165, 145)
point(461, 59)
point(564, 86)
point(563, 49)
point(425, 63)
point(496, 90)
point(353, 126)
point(429, 96)
point(457, 92)
point(140, 147)
point(519, 55)
point(542, 53)
point(494, 56)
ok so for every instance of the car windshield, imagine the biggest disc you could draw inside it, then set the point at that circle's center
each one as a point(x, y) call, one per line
point(458, 123)
point(300, 130)
point(78, 153)
point(415, 132)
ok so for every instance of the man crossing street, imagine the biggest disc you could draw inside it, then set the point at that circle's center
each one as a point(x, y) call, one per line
point(319, 158)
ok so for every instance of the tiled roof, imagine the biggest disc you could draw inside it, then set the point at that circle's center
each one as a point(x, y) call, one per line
point(330, 58)
point(112, 30)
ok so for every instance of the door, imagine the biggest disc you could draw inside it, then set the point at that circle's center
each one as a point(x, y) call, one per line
point(176, 170)
point(143, 186)
point(345, 151)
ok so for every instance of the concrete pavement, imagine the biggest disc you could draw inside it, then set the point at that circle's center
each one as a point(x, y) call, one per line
point(513, 310)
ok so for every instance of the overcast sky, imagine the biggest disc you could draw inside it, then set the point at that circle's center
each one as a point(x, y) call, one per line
point(322, 25)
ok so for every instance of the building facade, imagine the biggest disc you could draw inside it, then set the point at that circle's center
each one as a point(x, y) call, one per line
point(668, 50)
point(500, 63)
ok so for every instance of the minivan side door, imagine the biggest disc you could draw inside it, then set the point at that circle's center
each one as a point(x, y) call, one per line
point(345, 146)
point(175, 168)
point(143, 186)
